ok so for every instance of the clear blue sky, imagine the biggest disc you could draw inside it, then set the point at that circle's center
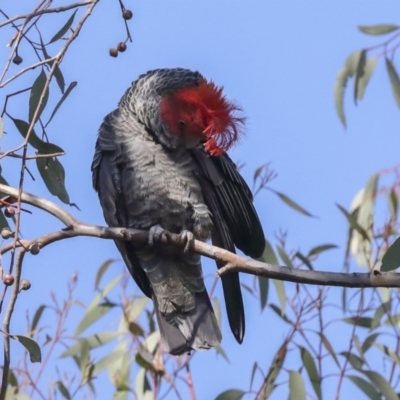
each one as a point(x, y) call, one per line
point(279, 60)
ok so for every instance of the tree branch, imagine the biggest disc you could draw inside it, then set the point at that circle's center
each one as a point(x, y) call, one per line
point(234, 263)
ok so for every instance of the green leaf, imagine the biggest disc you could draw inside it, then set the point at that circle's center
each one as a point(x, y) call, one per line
point(365, 386)
point(382, 384)
point(351, 218)
point(36, 93)
point(393, 204)
point(1, 128)
point(108, 360)
point(363, 81)
point(291, 203)
point(273, 371)
point(219, 349)
point(63, 390)
point(383, 309)
point(253, 373)
point(231, 394)
point(103, 268)
point(381, 29)
point(328, 347)
point(391, 259)
point(297, 389)
point(217, 310)
point(364, 322)
point(142, 386)
point(53, 175)
point(394, 80)
point(145, 359)
point(59, 79)
point(368, 342)
point(355, 361)
point(137, 307)
point(34, 141)
point(282, 315)
point(33, 348)
point(360, 72)
point(93, 341)
point(268, 255)
point(340, 86)
point(93, 315)
point(280, 291)
point(37, 316)
point(263, 283)
point(64, 29)
point(64, 96)
point(309, 364)
point(304, 260)
point(284, 257)
point(319, 249)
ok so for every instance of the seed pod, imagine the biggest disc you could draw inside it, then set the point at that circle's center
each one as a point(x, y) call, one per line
point(113, 52)
point(127, 14)
point(8, 279)
point(121, 47)
point(9, 212)
point(24, 285)
point(34, 248)
point(6, 233)
point(17, 60)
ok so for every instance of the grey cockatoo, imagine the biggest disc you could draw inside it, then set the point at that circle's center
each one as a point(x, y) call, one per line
point(160, 164)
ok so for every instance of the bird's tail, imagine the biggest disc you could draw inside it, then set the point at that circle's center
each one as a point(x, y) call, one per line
point(184, 312)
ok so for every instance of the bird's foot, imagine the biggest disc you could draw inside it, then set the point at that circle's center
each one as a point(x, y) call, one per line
point(187, 238)
point(155, 234)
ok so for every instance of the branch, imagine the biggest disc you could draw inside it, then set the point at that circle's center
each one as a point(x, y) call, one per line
point(48, 11)
point(234, 263)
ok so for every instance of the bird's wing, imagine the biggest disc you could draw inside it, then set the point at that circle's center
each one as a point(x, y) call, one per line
point(107, 182)
point(235, 223)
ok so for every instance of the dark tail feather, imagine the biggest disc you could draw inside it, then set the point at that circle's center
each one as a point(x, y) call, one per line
point(197, 329)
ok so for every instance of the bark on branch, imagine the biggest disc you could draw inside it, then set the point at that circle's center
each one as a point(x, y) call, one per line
point(233, 262)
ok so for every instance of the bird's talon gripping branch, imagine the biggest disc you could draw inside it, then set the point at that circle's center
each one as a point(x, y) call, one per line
point(155, 234)
point(187, 238)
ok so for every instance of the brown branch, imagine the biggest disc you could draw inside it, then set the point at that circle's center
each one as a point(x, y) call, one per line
point(48, 11)
point(233, 262)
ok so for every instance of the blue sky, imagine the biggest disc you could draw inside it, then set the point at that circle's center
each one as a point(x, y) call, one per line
point(279, 60)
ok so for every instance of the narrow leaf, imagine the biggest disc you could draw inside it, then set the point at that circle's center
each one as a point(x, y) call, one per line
point(304, 260)
point(383, 309)
point(309, 363)
point(353, 222)
point(284, 257)
point(391, 259)
point(365, 386)
point(394, 80)
point(280, 291)
point(64, 29)
point(368, 342)
point(363, 81)
point(393, 204)
point(263, 283)
point(34, 141)
point(63, 390)
point(103, 268)
point(268, 256)
point(64, 96)
point(53, 175)
point(282, 315)
point(93, 315)
point(33, 348)
point(319, 249)
point(329, 347)
point(360, 72)
point(381, 29)
point(364, 322)
point(382, 384)
point(60, 81)
point(36, 317)
point(291, 203)
point(36, 93)
point(231, 394)
point(297, 389)
point(355, 361)
point(340, 86)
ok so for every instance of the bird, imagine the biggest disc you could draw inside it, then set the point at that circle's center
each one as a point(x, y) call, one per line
point(161, 164)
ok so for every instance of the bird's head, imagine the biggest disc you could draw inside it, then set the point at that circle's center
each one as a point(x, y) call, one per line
point(182, 108)
point(201, 113)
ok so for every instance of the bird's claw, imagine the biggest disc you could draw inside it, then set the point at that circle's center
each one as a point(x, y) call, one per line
point(187, 238)
point(155, 234)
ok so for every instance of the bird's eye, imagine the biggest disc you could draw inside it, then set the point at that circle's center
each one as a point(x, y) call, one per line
point(182, 123)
